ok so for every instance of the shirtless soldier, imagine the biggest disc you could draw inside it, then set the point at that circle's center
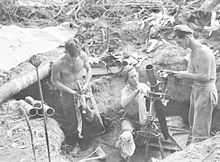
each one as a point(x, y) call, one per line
point(133, 102)
point(202, 70)
point(67, 72)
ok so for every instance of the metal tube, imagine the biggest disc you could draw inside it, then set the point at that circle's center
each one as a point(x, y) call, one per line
point(157, 105)
point(151, 76)
point(159, 139)
point(49, 111)
point(29, 100)
point(33, 102)
point(37, 105)
point(40, 111)
point(30, 110)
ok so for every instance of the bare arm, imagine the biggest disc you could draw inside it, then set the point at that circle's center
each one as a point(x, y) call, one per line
point(88, 69)
point(56, 78)
point(190, 68)
point(127, 99)
point(204, 69)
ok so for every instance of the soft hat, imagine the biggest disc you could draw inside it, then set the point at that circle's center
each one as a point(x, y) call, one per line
point(126, 144)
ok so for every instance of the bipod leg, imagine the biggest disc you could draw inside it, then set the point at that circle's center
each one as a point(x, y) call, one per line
point(171, 138)
point(160, 146)
point(161, 118)
point(146, 150)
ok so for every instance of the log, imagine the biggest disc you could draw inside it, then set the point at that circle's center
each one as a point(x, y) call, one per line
point(17, 84)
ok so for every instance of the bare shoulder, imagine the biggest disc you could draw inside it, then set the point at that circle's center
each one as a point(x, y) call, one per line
point(59, 63)
point(125, 89)
point(144, 86)
point(206, 51)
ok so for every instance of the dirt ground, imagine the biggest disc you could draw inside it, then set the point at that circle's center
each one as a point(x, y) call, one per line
point(106, 88)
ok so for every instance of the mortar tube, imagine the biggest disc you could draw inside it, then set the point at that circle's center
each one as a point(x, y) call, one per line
point(125, 62)
point(117, 63)
point(37, 105)
point(40, 111)
point(150, 75)
point(94, 64)
point(110, 63)
point(155, 88)
point(33, 102)
point(29, 100)
point(29, 109)
point(49, 111)
point(102, 63)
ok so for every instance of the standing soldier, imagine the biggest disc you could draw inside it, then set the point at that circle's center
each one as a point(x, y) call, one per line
point(202, 70)
point(81, 118)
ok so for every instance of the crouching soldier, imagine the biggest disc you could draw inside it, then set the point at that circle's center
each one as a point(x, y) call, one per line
point(132, 99)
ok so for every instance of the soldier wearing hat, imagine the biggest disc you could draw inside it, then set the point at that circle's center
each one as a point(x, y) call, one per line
point(202, 70)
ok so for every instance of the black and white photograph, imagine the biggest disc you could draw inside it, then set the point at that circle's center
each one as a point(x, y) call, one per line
point(109, 80)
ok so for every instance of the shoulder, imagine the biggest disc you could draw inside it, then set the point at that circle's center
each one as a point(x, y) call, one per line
point(205, 50)
point(205, 53)
point(125, 89)
point(60, 62)
point(144, 86)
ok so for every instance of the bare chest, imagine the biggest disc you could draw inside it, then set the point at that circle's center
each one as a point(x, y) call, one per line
point(195, 60)
point(133, 106)
point(73, 67)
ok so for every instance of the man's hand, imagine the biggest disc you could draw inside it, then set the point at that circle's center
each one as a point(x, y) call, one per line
point(140, 90)
point(165, 73)
point(75, 93)
point(85, 87)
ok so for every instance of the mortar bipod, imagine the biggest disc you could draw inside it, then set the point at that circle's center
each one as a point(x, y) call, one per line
point(98, 154)
point(157, 104)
